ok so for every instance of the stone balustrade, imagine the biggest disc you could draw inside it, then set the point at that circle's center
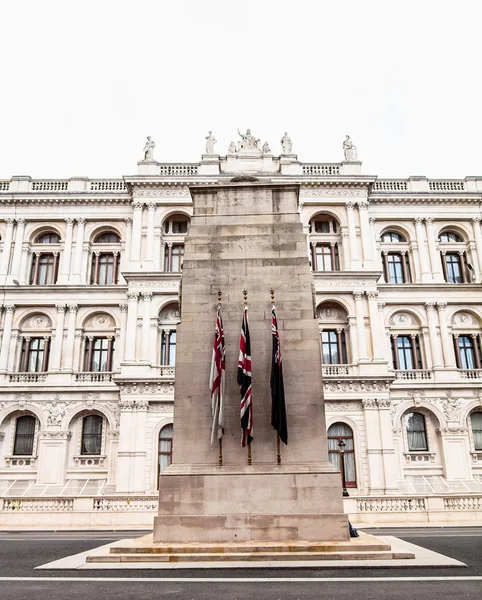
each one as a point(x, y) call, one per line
point(4, 186)
point(317, 169)
point(414, 375)
point(391, 504)
point(94, 377)
point(424, 185)
point(27, 377)
point(336, 370)
point(74, 185)
point(178, 170)
point(470, 373)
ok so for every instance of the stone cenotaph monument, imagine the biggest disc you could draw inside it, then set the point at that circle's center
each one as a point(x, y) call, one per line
point(246, 235)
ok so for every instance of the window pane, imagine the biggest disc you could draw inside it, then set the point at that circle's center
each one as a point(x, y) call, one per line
point(454, 273)
point(337, 432)
point(24, 436)
point(392, 236)
point(107, 238)
point(466, 350)
point(449, 236)
point(172, 348)
point(165, 447)
point(405, 354)
point(416, 433)
point(331, 352)
point(49, 238)
point(395, 269)
point(36, 353)
point(91, 434)
point(476, 421)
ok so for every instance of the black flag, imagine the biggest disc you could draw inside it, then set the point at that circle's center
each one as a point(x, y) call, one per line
point(278, 406)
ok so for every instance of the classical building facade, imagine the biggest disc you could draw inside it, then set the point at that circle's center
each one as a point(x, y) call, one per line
point(90, 274)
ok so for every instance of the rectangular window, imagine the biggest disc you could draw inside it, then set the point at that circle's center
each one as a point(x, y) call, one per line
point(179, 227)
point(44, 269)
point(98, 354)
point(36, 355)
point(333, 347)
point(24, 436)
point(105, 268)
point(395, 268)
point(466, 352)
point(173, 258)
point(416, 432)
point(168, 348)
point(91, 435)
point(326, 257)
point(406, 353)
point(454, 270)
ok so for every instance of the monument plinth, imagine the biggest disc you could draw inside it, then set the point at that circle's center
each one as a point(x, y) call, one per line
point(248, 236)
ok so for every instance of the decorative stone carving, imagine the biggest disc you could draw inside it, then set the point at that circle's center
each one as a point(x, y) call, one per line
point(100, 321)
point(210, 141)
point(330, 313)
point(342, 406)
point(36, 321)
point(401, 319)
point(170, 313)
point(55, 435)
point(286, 144)
point(56, 412)
point(349, 150)
point(464, 319)
point(266, 148)
point(248, 141)
point(369, 403)
point(232, 148)
point(90, 397)
point(149, 149)
point(332, 193)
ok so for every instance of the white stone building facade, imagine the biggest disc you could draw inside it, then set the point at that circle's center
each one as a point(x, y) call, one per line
point(89, 277)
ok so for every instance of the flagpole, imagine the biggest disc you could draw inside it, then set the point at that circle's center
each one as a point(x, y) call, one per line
point(220, 440)
point(278, 445)
point(245, 298)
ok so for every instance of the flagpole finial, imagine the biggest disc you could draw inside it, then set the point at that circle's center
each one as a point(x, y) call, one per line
point(245, 297)
point(272, 295)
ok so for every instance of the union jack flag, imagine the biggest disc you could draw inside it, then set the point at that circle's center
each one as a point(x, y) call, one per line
point(217, 379)
point(244, 381)
point(278, 405)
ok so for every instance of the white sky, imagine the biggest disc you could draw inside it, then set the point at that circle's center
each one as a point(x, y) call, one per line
point(83, 83)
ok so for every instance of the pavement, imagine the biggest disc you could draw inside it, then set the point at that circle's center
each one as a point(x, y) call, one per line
point(22, 552)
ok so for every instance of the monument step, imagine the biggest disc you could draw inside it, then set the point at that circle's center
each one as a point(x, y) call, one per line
point(249, 557)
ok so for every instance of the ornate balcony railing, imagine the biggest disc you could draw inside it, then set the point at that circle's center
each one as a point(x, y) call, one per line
point(422, 184)
point(27, 377)
point(463, 503)
point(321, 169)
point(55, 185)
point(108, 185)
point(168, 371)
point(94, 377)
point(390, 504)
point(470, 373)
point(4, 186)
point(178, 170)
point(150, 504)
point(414, 375)
point(336, 370)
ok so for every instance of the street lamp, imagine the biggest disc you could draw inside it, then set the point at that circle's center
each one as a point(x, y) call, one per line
point(342, 446)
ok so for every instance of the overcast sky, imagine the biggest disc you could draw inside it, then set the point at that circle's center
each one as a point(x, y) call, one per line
point(83, 83)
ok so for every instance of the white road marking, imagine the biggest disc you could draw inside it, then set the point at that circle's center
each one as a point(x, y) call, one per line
point(242, 579)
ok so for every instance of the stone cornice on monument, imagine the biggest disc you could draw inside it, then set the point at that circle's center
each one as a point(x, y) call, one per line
point(346, 280)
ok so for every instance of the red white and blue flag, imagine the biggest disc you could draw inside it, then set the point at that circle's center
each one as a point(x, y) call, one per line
point(278, 405)
point(244, 381)
point(217, 380)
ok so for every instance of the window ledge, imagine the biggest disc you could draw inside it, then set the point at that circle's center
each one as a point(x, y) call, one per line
point(89, 460)
point(419, 457)
point(19, 460)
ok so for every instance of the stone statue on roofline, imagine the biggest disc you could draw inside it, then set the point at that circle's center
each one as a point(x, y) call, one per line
point(266, 148)
point(248, 141)
point(232, 148)
point(349, 149)
point(210, 141)
point(149, 149)
point(286, 144)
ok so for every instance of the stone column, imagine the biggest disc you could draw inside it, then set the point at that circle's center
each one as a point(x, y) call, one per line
point(7, 246)
point(153, 352)
point(157, 251)
point(17, 251)
point(353, 339)
point(387, 446)
point(132, 451)
point(146, 321)
point(79, 247)
point(7, 332)
point(355, 261)
point(59, 338)
point(377, 342)
point(386, 349)
point(126, 250)
point(120, 350)
point(360, 326)
point(136, 232)
point(346, 252)
point(376, 471)
point(23, 275)
point(447, 346)
point(478, 240)
point(67, 256)
point(434, 338)
point(432, 250)
point(366, 236)
point(131, 327)
point(425, 271)
point(69, 343)
point(151, 214)
point(78, 356)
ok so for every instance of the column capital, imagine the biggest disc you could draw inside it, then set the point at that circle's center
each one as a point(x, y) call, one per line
point(429, 305)
point(475, 220)
point(357, 296)
point(429, 221)
point(138, 205)
point(80, 220)
point(372, 220)
point(372, 295)
point(61, 308)
point(21, 221)
point(70, 221)
point(123, 307)
point(381, 306)
point(363, 205)
point(128, 221)
point(10, 221)
point(350, 205)
point(418, 220)
point(151, 206)
point(147, 296)
point(9, 308)
point(73, 308)
point(441, 306)
point(132, 296)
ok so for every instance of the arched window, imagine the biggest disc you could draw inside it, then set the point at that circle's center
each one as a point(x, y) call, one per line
point(476, 422)
point(168, 320)
point(336, 433)
point(392, 237)
point(416, 432)
point(165, 447)
point(91, 434)
point(407, 347)
point(108, 237)
point(50, 237)
point(24, 436)
point(176, 224)
point(453, 252)
point(325, 239)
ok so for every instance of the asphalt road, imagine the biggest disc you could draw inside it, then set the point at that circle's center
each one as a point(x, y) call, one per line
point(21, 552)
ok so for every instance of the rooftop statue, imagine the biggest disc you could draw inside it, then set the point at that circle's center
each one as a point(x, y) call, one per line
point(149, 149)
point(350, 150)
point(248, 141)
point(266, 148)
point(286, 144)
point(232, 148)
point(210, 141)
